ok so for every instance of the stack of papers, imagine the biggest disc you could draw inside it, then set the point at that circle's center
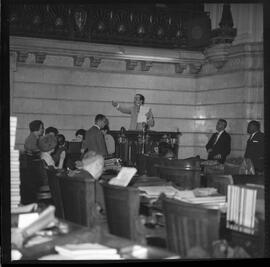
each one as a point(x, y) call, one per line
point(155, 191)
point(87, 251)
point(14, 167)
point(206, 200)
point(112, 164)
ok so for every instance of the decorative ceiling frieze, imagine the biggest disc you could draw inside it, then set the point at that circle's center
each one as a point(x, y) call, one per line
point(143, 25)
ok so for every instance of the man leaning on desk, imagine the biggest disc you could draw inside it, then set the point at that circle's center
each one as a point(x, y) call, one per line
point(219, 145)
point(140, 114)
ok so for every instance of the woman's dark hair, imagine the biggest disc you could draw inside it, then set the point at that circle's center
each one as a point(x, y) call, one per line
point(51, 130)
point(80, 132)
point(35, 125)
point(106, 128)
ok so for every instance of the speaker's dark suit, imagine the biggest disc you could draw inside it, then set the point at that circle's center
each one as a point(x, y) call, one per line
point(255, 150)
point(94, 141)
point(222, 146)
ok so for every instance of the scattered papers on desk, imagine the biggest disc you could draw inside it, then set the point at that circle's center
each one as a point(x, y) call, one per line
point(206, 200)
point(24, 209)
point(26, 219)
point(112, 164)
point(204, 191)
point(87, 251)
point(124, 176)
point(36, 240)
point(155, 191)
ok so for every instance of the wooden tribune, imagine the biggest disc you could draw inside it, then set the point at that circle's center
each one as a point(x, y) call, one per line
point(189, 226)
point(78, 197)
point(187, 178)
point(122, 209)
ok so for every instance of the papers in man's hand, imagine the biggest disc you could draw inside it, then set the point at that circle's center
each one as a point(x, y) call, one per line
point(87, 251)
point(142, 114)
point(124, 176)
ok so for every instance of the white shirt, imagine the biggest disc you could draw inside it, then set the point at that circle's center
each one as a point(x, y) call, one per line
point(110, 144)
point(47, 158)
point(97, 126)
point(252, 136)
point(219, 134)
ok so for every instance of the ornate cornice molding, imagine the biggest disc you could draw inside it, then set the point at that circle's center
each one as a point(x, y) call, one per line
point(224, 58)
point(79, 51)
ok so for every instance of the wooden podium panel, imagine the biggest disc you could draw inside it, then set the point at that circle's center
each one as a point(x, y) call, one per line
point(130, 144)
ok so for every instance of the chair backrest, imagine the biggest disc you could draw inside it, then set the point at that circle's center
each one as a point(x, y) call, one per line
point(219, 181)
point(185, 178)
point(122, 209)
point(78, 198)
point(189, 225)
point(33, 175)
point(244, 179)
point(53, 180)
point(191, 163)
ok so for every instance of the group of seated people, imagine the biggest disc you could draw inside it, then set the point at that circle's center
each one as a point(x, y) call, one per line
point(53, 148)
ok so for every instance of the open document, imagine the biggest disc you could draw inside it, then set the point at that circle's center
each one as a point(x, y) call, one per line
point(124, 176)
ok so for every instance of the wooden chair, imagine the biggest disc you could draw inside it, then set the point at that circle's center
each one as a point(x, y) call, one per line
point(219, 181)
point(244, 179)
point(189, 226)
point(122, 210)
point(78, 198)
point(53, 180)
point(185, 178)
point(30, 178)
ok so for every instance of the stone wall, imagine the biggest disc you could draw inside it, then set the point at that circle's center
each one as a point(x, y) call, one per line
point(65, 84)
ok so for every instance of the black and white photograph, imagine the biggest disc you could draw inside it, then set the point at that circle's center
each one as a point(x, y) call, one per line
point(135, 131)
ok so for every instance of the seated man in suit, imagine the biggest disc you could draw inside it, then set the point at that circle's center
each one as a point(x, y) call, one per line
point(255, 145)
point(94, 138)
point(219, 145)
point(141, 115)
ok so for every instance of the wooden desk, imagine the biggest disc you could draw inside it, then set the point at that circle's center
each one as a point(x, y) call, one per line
point(79, 234)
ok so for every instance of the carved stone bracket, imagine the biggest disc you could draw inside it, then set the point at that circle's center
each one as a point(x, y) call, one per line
point(78, 61)
point(217, 54)
point(146, 65)
point(131, 64)
point(22, 56)
point(94, 62)
point(40, 57)
point(195, 68)
point(179, 67)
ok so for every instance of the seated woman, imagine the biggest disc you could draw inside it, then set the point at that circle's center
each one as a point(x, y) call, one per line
point(61, 149)
point(47, 145)
point(79, 135)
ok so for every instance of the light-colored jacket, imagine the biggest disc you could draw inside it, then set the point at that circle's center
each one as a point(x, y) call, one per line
point(133, 111)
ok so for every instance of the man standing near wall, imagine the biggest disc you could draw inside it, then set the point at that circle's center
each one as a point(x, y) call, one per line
point(141, 115)
point(219, 145)
point(255, 145)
